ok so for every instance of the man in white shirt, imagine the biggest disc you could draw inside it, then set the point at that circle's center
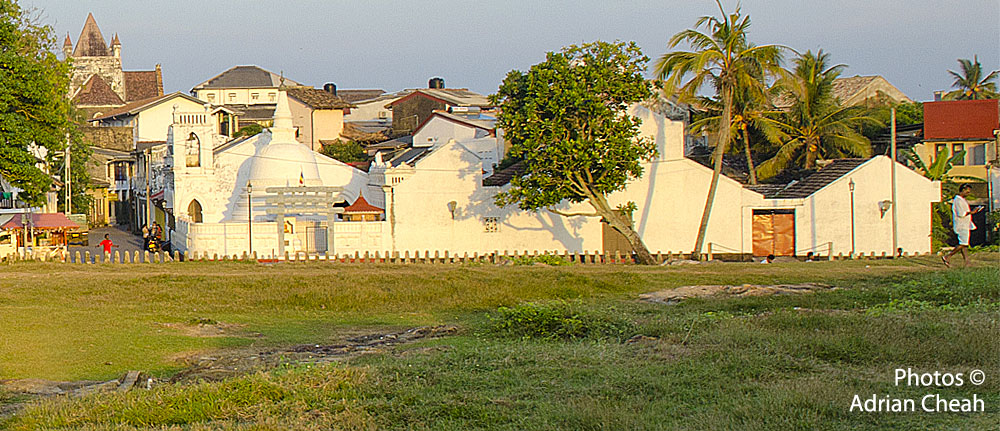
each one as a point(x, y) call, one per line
point(961, 221)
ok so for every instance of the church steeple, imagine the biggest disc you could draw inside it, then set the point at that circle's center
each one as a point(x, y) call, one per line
point(67, 47)
point(91, 42)
point(116, 47)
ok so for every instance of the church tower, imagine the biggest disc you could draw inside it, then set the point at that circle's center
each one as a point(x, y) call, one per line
point(93, 57)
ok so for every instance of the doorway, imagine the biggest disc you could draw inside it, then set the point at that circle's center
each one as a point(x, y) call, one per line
point(774, 232)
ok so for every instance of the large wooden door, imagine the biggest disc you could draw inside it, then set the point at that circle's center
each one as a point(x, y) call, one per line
point(613, 240)
point(774, 232)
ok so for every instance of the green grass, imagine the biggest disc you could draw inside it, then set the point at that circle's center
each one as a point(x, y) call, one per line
point(780, 362)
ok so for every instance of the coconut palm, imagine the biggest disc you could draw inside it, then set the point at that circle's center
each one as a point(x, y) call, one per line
point(750, 110)
point(970, 84)
point(815, 127)
point(721, 56)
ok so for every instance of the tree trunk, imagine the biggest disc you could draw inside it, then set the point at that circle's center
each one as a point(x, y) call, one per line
point(720, 149)
point(746, 144)
point(620, 224)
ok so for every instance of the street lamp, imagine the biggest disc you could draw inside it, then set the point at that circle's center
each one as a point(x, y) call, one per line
point(850, 185)
point(250, 218)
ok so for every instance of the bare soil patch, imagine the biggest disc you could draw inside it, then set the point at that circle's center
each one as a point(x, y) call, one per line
point(675, 295)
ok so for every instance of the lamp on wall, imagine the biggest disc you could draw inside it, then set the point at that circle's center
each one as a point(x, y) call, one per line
point(884, 206)
point(451, 208)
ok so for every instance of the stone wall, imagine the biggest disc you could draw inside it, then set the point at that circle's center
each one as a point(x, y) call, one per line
point(109, 68)
point(112, 138)
point(410, 113)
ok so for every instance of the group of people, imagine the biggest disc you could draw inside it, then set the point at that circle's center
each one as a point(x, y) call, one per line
point(152, 237)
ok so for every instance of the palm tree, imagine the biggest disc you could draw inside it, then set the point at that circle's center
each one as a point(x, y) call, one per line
point(970, 84)
point(815, 127)
point(750, 109)
point(723, 57)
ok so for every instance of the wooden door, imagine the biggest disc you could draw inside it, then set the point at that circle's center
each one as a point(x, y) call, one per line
point(773, 232)
point(614, 241)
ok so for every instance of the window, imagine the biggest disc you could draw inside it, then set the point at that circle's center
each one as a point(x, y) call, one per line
point(383, 115)
point(254, 96)
point(977, 155)
point(192, 151)
point(955, 149)
point(491, 224)
point(211, 98)
point(194, 211)
point(272, 97)
point(938, 149)
point(232, 97)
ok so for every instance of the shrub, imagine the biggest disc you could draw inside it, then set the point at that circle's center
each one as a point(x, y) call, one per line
point(545, 258)
point(559, 320)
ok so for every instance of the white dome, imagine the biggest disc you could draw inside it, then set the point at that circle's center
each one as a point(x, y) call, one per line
point(283, 164)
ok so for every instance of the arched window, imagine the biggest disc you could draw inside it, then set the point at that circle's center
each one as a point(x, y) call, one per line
point(194, 211)
point(193, 150)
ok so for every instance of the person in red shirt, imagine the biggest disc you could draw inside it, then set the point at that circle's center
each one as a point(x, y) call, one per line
point(107, 244)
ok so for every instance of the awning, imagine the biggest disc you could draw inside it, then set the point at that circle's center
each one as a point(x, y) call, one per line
point(41, 221)
point(158, 196)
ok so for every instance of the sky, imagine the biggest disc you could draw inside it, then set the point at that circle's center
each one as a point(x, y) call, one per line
point(399, 44)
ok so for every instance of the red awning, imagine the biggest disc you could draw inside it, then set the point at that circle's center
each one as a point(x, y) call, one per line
point(42, 221)
point(157, 196)
point(362, 206)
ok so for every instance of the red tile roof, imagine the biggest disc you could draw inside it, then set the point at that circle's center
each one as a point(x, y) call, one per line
point(362, 206)
point(42, 221)
point(143, 84)
point(961, 119)
point(96, 92)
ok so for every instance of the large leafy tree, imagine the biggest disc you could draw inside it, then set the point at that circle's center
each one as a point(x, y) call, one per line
point(970, 84)
point(34, 107)
point(816, 126)
point(721, 56)
point(566, 119)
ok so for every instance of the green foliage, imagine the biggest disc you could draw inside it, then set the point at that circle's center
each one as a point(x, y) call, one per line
point(347, 152)
point(942, 233)
point(970, 84)
point(906, 114)
point(559, 320)
point(249, 130)
point(545, 258)
point(816, 126)
point(33, 103)
point(564, 119)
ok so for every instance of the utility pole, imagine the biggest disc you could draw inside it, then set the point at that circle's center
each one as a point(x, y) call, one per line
point(892, 172)
point(69, 190)
point(148, 205)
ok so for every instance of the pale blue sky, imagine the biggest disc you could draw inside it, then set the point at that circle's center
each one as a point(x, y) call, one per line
point(400, 44)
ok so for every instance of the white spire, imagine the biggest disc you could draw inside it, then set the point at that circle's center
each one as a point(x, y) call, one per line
point(283, 130)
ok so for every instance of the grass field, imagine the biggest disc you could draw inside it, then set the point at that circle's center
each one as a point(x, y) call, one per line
point(560, 362)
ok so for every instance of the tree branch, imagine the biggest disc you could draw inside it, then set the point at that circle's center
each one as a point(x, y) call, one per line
point(565, 214)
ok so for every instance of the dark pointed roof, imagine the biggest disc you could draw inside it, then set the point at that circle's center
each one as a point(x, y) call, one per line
point(91, 42)
point(68, 43)
point(96, 92)
point(246, 77)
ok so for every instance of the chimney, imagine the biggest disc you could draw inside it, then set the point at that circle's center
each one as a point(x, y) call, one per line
point(436, 82)
point(330, 87)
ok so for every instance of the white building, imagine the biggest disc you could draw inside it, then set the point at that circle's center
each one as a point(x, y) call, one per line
point(439, 197)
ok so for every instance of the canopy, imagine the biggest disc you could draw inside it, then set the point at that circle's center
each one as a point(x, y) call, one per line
point(50, 221)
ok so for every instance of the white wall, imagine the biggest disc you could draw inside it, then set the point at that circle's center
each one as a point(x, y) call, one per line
point(238, 96)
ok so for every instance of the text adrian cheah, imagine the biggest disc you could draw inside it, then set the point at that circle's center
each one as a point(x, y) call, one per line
point(931, 402)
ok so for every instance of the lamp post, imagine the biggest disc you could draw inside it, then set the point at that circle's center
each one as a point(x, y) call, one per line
point(250, 218)
point(850, 185)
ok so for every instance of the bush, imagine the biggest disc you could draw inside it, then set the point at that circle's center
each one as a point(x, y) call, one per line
point(559, 320)
point(545, 258)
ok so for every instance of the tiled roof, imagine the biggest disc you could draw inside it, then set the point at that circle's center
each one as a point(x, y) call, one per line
point(318, 99)
point(845, 90)
point(140, 105)
point(452, 96)
point(95, 91)
point(246, 77)
point(813, 183)
point(501, 178)
point(359, 95)
point(42, 221)
point(961, 119)
point(91, 42)
point(362, 206)
point(143, 84)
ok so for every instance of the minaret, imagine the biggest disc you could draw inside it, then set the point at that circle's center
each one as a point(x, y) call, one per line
point(116, 47)
point(67, 48)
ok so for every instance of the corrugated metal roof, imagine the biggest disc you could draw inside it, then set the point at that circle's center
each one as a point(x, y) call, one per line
point(961, 119)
